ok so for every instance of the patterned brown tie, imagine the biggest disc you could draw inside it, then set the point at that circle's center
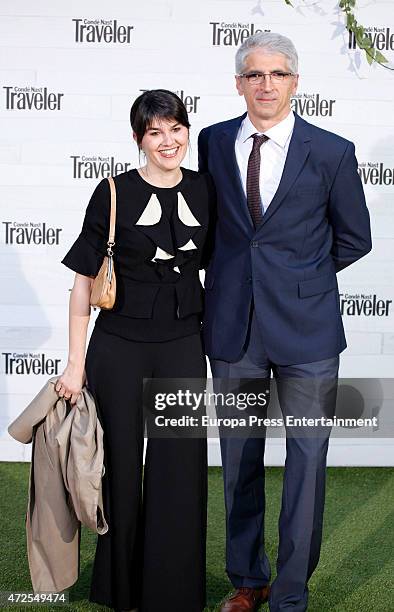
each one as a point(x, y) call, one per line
point(253, 180)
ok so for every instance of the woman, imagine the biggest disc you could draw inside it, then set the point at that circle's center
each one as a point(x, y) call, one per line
point(153, 556)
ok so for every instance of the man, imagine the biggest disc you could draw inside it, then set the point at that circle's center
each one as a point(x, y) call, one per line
point(291, 213)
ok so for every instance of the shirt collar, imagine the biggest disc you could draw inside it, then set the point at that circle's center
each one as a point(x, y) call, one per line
point(279, 133)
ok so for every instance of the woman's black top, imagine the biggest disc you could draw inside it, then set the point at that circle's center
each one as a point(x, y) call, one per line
point(163, 236)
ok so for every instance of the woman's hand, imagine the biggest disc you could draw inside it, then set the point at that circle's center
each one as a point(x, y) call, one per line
point(70, 384)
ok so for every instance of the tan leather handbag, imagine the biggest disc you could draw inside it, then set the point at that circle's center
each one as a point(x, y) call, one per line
point(103, 292)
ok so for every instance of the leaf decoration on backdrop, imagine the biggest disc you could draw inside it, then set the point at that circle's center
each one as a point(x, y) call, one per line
point(363, 40)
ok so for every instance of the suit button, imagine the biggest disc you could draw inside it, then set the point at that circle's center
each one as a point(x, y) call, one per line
point(254, 243)
point(249, 279)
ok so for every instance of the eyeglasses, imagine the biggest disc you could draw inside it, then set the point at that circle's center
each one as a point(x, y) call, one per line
point(256, 78)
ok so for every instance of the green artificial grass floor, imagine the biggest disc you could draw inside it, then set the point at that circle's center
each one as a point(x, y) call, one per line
point(356, 569)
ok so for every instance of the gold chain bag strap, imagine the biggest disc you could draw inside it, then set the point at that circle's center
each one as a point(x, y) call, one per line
point(103, 292)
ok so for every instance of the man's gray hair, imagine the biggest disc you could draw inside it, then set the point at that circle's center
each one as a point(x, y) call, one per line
point(271, 43)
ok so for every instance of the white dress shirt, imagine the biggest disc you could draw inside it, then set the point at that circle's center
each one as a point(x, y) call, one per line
point(273, 154)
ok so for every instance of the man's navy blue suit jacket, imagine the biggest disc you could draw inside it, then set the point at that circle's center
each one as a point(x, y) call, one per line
point(316, 225)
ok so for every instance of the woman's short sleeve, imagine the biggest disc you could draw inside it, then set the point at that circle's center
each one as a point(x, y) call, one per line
point(87, 253)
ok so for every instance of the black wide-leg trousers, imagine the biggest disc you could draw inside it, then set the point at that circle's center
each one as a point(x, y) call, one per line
point(153, 555)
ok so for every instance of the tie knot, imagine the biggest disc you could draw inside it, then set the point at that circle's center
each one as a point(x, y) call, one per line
point(258, 140)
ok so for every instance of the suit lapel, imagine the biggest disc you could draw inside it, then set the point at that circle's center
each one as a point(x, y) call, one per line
point(227, 154)
point(297, 155)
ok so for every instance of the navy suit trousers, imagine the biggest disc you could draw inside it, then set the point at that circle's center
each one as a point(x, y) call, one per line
point(301, 515)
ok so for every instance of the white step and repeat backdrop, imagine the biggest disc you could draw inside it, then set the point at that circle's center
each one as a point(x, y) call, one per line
point(69, 72)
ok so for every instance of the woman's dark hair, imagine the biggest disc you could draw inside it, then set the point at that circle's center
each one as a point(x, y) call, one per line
point(156, 104)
